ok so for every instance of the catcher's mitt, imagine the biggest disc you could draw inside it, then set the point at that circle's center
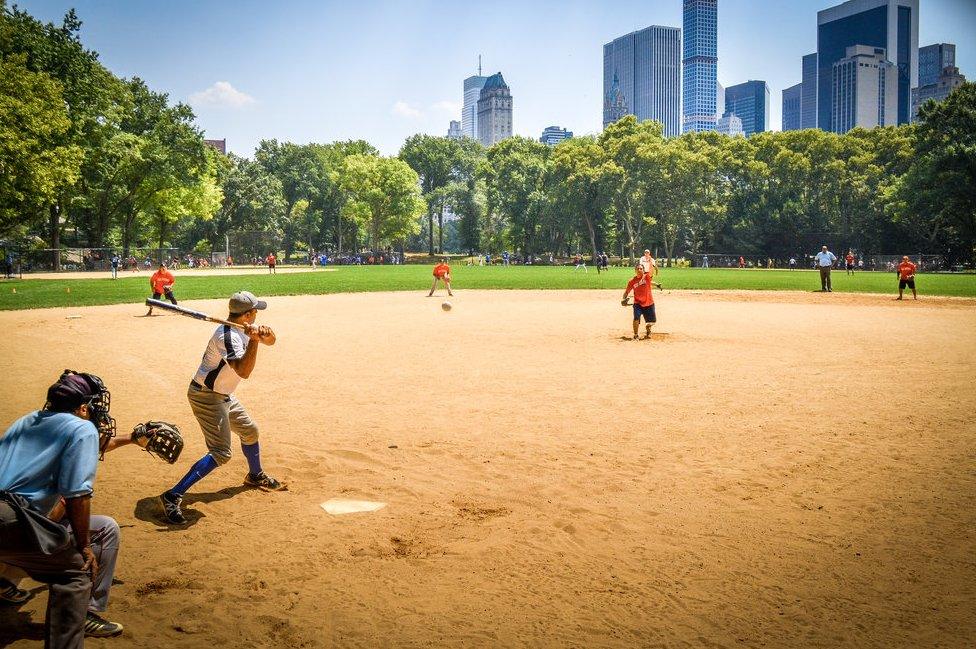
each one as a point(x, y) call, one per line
point(159, 439)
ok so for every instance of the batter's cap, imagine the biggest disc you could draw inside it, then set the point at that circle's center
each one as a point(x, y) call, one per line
point(244, 301)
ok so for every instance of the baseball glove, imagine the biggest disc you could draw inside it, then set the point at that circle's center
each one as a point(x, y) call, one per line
point(625, 302)
point(159, 439)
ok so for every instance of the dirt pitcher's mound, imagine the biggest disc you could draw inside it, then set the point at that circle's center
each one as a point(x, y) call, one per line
point(778, 471)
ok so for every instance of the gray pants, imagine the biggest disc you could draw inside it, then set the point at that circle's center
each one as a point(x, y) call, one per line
point(825, 278)
point(218, 416)
point(71, 593)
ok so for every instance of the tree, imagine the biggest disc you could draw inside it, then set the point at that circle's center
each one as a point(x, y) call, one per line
point(435, 159)
point(938, 193)
point(634, 149)
point(582, 173)
point(34, 160)
point(515, 173)
point(384, 197)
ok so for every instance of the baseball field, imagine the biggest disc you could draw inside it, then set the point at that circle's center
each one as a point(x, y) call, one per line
point(773, 468)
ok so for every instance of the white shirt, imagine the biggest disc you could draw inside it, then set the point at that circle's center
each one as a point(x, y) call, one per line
point(226, 343)
point(647, 262)
point(825, 258)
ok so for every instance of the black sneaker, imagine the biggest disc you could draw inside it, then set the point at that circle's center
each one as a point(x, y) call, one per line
point(97, 627)
point(10, 594)
point(171, 508)
point(264, 482)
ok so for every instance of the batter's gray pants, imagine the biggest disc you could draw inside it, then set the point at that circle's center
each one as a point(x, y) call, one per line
point(219, 415)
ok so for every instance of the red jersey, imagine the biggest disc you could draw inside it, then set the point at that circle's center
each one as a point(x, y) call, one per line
point(642, 289)
point(906, 270)
point(850, 259)
point(440, 270)
point(271, 260)
point(160, 279)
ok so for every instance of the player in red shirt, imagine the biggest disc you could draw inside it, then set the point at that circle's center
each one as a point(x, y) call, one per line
point(162, 284)
point(849, 262)
point(272, 263)
point(640, 284)
point(742, 262)
point(441, 272)
point(906, 277)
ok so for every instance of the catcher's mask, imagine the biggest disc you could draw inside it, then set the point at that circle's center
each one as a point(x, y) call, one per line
point(92, 391)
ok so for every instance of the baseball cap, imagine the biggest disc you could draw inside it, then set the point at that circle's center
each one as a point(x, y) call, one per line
point(69, 392)
point(244, 301)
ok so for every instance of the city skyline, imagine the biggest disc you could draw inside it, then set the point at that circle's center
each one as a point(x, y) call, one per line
point(252, 72)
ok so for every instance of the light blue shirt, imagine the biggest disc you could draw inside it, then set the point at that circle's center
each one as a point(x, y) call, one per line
point(44, 455)
point(825, 258)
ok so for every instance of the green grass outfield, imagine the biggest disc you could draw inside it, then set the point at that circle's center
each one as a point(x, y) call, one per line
point(43, 293)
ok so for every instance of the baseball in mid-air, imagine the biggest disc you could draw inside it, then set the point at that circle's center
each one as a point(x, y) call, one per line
point(446, 306)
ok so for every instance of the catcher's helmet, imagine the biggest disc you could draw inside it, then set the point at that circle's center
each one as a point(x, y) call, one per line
point(87, 389)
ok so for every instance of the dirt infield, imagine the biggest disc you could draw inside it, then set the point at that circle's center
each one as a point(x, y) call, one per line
point(771, 470)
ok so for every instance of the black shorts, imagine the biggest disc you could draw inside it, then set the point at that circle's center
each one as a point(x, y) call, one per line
point(850, 266)
point(646, 311)
point(910, 283)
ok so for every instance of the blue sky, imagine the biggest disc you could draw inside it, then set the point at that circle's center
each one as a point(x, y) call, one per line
point(318, 71)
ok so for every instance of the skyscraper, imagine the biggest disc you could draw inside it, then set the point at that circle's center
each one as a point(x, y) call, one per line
point(945, 83)
point(454, 130)
point(891, 25)
point(494, 111)
point(642, 77)
point(792, 98)
point(719, 100)
point(469, 104)
point(932, 60)
point(729, 124)
point(553, 135)
point(750, 101)
point(700, 65)
point(864, 90)
point(808, 98)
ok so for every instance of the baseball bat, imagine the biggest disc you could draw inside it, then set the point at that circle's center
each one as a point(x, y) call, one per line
point(190, 313)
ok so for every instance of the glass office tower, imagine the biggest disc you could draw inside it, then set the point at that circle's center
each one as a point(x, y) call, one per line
point(700, 65)
point(808, 100)
point(891, 25)
point(469, 107)
point(792, 97)
point(750, 102)
point(932, 60)
point(642, 77)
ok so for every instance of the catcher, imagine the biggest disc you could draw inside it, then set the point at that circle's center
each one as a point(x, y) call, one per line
point(641, 284)
point(162, 283)
point(48, 461)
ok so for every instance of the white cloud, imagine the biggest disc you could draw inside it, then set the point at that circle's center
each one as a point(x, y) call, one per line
point(450, 107)
point(222, 94)
point(403, 109)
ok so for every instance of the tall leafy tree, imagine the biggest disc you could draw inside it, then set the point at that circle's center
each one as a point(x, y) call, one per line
point(435, 160)
point(937, 195)
point(35, 159)
point(384, 197)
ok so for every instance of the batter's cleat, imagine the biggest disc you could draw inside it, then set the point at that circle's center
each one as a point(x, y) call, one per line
point(264, 482)
point(636, 337)
point(97, 627)
point(171, 508)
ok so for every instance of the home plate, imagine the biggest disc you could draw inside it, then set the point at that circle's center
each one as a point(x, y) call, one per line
point(336, 506)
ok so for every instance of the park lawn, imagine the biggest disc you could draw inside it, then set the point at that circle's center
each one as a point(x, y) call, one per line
point(45, 293)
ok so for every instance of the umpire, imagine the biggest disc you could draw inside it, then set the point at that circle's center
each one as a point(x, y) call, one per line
point(48, 460)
